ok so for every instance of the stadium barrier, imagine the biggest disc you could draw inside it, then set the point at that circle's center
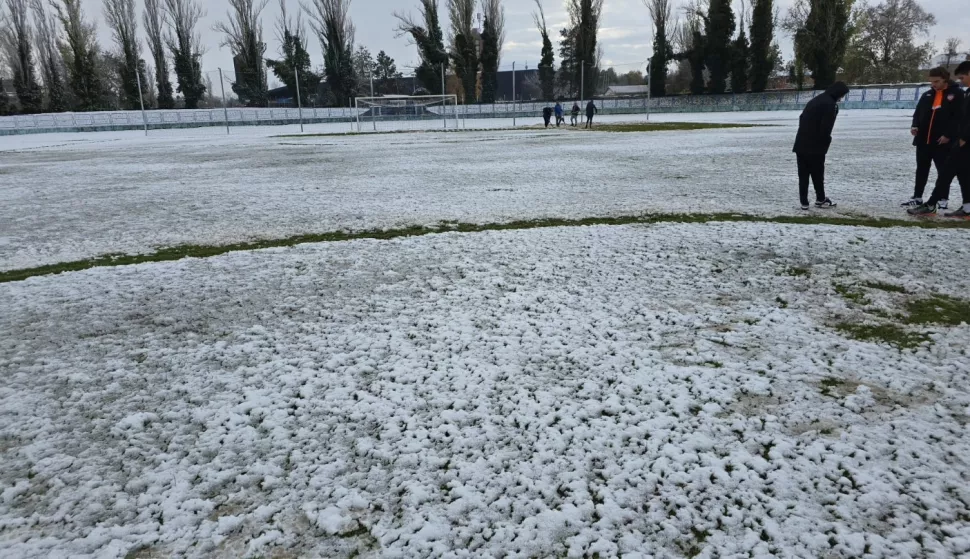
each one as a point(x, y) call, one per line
point(868, 98)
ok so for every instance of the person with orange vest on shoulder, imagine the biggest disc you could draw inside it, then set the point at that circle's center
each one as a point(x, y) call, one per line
point(936, 124)
point(957, 164)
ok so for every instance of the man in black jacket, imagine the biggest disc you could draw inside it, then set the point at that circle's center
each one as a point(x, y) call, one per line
point(813, 141)
point(958, 160)
point(591, 111)
point(935, 126)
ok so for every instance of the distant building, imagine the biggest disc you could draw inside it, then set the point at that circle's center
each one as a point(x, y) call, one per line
point(627, 91)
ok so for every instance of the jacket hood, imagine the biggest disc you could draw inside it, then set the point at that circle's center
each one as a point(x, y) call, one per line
point(838, 90)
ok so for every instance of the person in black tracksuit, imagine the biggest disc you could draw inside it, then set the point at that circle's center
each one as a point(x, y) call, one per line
point(957, 163)
point(591, 111)
point(814, 140)
point(935, 126)
point(547, 115)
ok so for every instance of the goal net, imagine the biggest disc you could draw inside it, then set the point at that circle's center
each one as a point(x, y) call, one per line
point(402, 112)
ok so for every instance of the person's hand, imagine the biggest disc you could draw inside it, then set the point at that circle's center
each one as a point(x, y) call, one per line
point(963, 143)
point(944, 140)
point(914, 131)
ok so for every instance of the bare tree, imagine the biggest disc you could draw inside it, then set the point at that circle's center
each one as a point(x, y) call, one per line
point(154, 19)
point(244, 37)
point(330, 19)
point(18, 41)
point(495, 13)
point(81, 55)
point(951, 50)
point(186, 46)
point(430, 42)
point(887, 41)
point(464, 50)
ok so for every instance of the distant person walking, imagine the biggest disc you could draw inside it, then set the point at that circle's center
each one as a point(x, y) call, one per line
point(591, 111)
point(813, 142)
point(547, 115)
point(560, 115)
point(575, 114)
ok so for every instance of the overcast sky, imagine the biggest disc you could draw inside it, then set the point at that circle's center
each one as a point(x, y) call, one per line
point(625, 33)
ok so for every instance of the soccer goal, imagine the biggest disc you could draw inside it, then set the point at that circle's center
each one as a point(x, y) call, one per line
point(403, 112)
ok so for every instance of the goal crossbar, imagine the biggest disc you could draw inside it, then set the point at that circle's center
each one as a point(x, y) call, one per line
point(402, 109)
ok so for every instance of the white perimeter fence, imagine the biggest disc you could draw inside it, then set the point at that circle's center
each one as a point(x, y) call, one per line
point(869, 98)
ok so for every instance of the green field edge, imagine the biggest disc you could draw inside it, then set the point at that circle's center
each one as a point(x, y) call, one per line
point(206, 251)
point(618, 127)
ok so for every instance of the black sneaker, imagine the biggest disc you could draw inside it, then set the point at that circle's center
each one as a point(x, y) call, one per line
point(959, 213)
point(943, 205)
point(924, 209)
point(825, 204)
point(912, 203)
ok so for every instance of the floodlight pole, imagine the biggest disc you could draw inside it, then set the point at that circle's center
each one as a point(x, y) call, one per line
point(141, 99)
point(225, 106)
point(649, 88)
point(514, 103)
point(444, 115)
point(372, 116)
point(299, 101)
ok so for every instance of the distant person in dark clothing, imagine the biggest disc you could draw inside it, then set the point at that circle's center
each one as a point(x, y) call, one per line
point(814, 140)
point(957, 163)
point(547, 115)
point(560, 115)
point(575, 114)
point(591, 111)
point(936, 124)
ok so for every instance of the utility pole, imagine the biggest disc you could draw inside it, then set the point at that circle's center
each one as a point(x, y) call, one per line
point(514, 101)
point(373, 117)
point(299, 101)
point(444, 115)
point(141, 98)
point(225, 106)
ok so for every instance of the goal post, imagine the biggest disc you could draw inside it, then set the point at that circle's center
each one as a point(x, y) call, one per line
point(407, 112)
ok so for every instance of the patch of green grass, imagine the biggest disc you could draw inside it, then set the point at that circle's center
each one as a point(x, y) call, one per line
point(887, 287)
point(890, 334)
point(851, 294)
point(938, 309)
point(667, 126)
point(798, 272)
point(205, 251)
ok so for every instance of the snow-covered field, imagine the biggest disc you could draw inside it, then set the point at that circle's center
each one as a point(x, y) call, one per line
point(647, 391)
point(666, 391)
point(67, 197)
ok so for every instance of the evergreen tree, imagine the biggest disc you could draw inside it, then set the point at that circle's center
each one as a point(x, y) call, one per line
point(120, 16)
point(386, 74)
point(331, 21)
point(740, 60)
point(364, 68)
point(431, 48)
point(464, 51)
point(295, 58)
point(184, 44)
point(18, 42)
point(824, 38)
point(568, 64)
point(661, 12)
point(719, 31)
point(547, 64)
point(587, 29)
point(244, 37)
point(762, 38)
point(489, 62)
point(81, 56)
point(154, 20)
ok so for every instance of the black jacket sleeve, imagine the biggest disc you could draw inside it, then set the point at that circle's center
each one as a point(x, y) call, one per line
point(956, 121)
point(827, 123)
point(965, 121)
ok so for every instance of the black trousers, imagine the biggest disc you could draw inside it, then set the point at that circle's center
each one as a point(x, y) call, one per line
point(589, 121)
point(811, 167)
point(928, 156)
point(957, 166)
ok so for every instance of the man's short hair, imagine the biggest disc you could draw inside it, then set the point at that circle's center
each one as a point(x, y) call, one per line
point(940, 73)
point(963, 69)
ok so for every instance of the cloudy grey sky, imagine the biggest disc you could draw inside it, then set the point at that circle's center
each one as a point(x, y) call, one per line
point(625, 32)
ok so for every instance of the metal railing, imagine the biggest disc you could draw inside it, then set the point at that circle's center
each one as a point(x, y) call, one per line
point(869, 98)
